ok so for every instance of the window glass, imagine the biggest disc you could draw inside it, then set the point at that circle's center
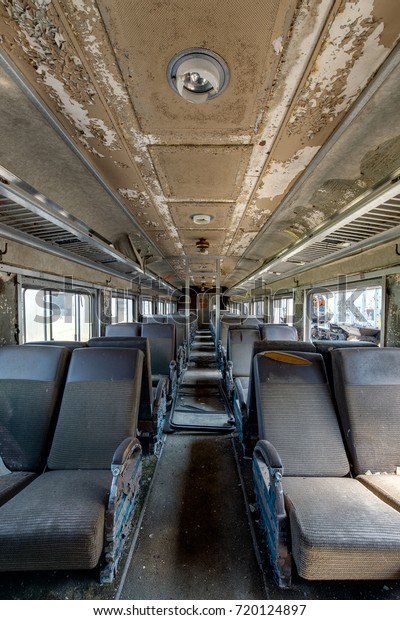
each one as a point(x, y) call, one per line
point(34, 315)
point(147, 308)
point(348, 314)
point(56, 315)
point(259, 308)
point(283, 310)
point(121, 310)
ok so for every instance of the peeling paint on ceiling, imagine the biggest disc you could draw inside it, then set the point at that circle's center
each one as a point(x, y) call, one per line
point(281, 174)
point(297, 68)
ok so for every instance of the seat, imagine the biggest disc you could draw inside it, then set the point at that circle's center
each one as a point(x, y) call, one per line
point(225, 323)
point(68, 344)
point(239, 355)
point(367, 390)
point(156, 318)
point(162, 349)
point(244, 396)
point(153, 401)
point(123, 329)
point(79, 511)
point(329, 524)
point(31, 383)
point(277, 331)
point(182, 342)
point(325, 347)
point(251, 321)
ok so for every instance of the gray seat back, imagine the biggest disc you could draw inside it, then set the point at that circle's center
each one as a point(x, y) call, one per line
point(31, 382)
point(99, 407)
point(162, 345)
point(154, 318)
point(367, 390)
point(240, 349)
point(123, 329)
point(226, 322)
point(68, 344)
point(260, 347)
point(276, 331)
point(180, 321)
point(251, 321)
point(146, 390)
point(296, 413)
point(325, 347)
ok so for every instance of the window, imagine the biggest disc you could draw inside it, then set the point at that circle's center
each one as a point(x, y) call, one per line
point(122, 310)
point(169, 307)
point(258, 307)
point(147, 307)
point(234, 308)
point(56, 315)
point(349, 313)
point(283, 310)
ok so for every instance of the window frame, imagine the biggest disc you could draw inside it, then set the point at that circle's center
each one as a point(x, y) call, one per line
point(50, 291)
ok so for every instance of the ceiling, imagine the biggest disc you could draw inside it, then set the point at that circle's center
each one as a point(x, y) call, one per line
point(308, 124)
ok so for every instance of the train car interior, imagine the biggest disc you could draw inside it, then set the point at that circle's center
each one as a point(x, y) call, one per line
point(200, 299)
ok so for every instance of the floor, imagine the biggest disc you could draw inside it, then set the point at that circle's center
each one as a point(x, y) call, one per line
point(197, 536)
point(200, 403)
point(195, 542)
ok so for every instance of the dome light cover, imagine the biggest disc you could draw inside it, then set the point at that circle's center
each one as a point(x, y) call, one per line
point(198, 75)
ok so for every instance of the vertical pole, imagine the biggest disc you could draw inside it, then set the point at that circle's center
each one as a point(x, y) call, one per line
point(187, 304)
point(217, 303)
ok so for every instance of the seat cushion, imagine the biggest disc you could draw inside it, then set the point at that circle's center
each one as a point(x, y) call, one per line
point(385, 486)
point(56, 522)
point(13, 483)
point(340, 530)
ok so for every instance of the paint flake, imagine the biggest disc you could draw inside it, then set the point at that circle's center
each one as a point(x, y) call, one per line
point(344, 63)
point(281, 174)
point(277, 45)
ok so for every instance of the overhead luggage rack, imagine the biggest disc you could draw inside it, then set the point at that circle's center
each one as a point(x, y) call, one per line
point(32, 219)
point(371, 219)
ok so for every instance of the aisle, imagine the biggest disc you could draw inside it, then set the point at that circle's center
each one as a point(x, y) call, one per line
point(200, 403)
point(195, 541)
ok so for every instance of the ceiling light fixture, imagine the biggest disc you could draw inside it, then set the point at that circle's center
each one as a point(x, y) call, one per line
point(198, 74)
point(201, 218)
point(202, 245)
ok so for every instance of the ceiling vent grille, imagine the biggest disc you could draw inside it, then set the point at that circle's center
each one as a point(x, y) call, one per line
point(349, 232)
point(374, 218)
point(30, 218)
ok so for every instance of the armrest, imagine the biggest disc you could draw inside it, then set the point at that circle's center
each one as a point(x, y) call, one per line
point(221, 357)
point(229, 377)
point(268, 473)
point(161, 391)
point(124, 451)
point(270, 455)
point(240, 396)
point(126, 469)
point(172, 369)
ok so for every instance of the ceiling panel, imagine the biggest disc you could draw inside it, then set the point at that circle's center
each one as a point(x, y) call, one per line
point(146, 35)
point(201, 172)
